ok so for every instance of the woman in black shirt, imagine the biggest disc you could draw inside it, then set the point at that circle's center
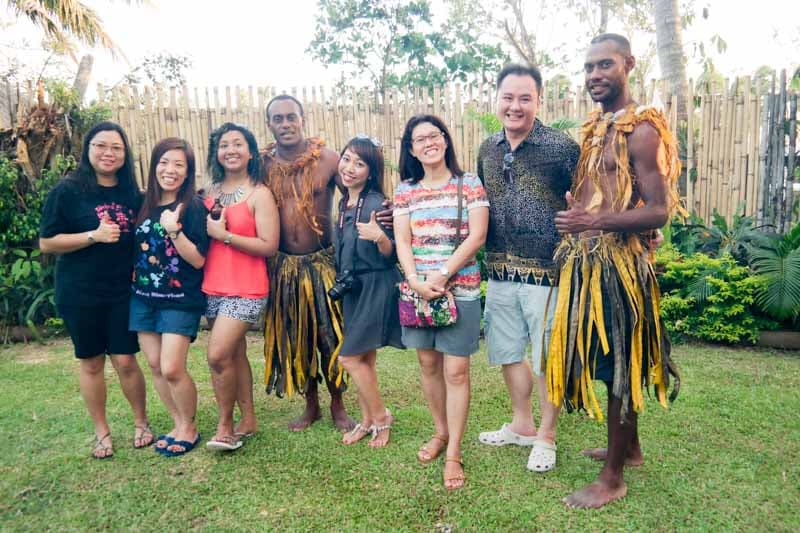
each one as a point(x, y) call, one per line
point(171, 245)
point(88, 221)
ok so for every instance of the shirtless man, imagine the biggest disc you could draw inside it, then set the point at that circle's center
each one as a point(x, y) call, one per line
point(606, 325)
point(303, 329)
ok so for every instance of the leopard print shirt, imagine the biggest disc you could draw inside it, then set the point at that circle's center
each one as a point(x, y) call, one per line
point(524, 195)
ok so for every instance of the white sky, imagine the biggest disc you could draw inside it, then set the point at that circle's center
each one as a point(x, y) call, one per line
point(251, 42)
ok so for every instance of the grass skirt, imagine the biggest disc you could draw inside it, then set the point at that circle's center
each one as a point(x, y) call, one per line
point(303, 326)
point(608, 306)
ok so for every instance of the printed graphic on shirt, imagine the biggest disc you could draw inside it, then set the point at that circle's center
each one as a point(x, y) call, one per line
point(116, 213)
point(158, 263)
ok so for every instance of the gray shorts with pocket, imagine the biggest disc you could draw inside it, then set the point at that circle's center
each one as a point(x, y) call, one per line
point(516, 315)
point(462, 338)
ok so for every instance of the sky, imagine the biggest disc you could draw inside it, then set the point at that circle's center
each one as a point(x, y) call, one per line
point(252, 42)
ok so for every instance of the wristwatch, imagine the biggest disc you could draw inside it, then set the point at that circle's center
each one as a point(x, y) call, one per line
point(444, 272)
point(174, 234)
point(228, 239)
point(90, 238)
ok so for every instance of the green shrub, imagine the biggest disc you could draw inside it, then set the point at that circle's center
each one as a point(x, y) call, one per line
point(711, 299)
point(21, 202)
point(27, 294)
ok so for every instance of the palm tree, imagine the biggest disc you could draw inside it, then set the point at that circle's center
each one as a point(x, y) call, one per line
point(62, 20)
point(669, 39)
point(777, 261)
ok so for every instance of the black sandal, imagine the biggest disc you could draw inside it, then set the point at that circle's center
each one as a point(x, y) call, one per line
point(98, 446)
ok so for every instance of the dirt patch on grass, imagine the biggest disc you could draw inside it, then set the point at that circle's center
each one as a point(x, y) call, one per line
point(34, 353)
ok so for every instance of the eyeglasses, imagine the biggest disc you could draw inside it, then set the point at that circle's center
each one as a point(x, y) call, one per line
point(422, 140)
point(508, 170)
point(364, 137)
point(103, 148)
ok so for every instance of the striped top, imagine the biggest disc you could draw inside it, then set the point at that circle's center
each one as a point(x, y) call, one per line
point(433, 215)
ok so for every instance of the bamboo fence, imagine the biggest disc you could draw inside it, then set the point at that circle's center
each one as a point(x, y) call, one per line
point(738, 144)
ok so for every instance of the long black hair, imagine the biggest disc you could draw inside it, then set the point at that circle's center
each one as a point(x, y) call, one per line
point(410, 168)
point(186, 193)
point(254, 167)
point(372, 155)
point(85, 175)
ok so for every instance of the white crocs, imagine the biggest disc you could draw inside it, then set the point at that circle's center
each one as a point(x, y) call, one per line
point(542, 457)
point(504, 436)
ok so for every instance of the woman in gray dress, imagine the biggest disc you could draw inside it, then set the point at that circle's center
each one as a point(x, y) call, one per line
point(366, 283)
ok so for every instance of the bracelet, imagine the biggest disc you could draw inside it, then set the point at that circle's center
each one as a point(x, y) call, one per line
point(228, 239)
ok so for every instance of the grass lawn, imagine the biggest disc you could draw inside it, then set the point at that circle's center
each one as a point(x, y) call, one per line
point(726, 456)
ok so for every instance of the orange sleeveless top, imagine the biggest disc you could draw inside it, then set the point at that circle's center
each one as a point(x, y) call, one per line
point(228, 271)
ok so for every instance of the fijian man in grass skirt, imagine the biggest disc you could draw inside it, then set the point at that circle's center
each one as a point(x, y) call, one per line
point(607, 324)
point(303, 327)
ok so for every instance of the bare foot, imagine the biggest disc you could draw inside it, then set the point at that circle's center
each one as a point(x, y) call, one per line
point(634, 458)
point(341, 420)
point(304, 421)
point(595, 495)
point(357, 433)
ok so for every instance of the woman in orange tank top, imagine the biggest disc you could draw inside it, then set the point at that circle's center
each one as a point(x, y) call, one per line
point(243, 227)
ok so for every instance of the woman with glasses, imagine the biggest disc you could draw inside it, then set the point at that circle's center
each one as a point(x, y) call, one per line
point(243, 227)
point(438, 255)
point(88, 221)
point(366, 278)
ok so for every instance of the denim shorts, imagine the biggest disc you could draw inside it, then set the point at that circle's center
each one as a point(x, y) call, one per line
point(461, 338)
point(236, 307)
point(516, 314)
point(147, 317)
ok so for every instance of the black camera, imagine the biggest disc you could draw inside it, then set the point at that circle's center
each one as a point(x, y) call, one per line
point(344, 283)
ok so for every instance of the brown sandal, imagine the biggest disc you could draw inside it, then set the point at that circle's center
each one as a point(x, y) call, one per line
point(458, 477)
point(432, 455)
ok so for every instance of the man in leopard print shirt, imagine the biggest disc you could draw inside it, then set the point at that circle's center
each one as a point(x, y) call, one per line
point(526, 169)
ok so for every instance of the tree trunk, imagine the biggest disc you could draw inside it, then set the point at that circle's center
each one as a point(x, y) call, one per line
point(83, 75)
point(669, 39)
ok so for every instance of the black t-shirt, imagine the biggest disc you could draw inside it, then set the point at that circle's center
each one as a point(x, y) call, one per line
point(160, 274)
point(100, 273)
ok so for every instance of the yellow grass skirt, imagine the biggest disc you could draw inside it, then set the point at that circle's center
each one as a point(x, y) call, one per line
point(303, 326)
point(608, 306)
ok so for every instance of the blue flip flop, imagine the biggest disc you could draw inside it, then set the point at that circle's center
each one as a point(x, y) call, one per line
point(187, 447)
point(166, 438)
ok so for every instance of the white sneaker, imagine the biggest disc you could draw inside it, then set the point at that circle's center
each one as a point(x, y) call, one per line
point(504, 436)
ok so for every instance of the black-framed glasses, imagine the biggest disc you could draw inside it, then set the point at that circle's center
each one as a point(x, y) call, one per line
point(364, 137)
point(508, 169)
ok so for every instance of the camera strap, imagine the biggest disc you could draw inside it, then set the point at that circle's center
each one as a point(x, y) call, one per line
point(342, 209)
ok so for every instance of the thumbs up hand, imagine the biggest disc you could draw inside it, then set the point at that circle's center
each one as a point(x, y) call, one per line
point(575, 219)
point(170, 218)
point(369, 231)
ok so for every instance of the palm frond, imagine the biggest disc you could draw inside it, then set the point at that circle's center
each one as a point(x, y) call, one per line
point(780, 294)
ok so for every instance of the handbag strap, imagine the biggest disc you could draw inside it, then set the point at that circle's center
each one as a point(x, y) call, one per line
point(460, 196)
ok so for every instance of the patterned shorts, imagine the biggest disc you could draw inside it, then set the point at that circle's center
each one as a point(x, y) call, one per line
point(236, 307)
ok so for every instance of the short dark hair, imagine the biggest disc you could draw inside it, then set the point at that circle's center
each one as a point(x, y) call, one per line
point(372, 155)
point(622, 42)
point(410, 168)
point(152, 194)
point(283, 97)
point(85, 175)
point(254, 168)
point(517, 69)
